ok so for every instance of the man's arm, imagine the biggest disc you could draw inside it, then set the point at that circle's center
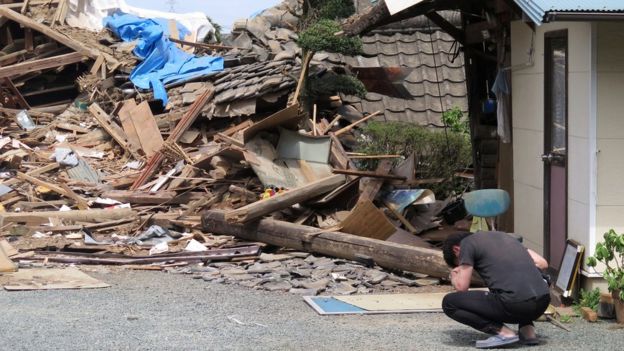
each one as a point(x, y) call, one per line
point(460, 277)
point(540, 261)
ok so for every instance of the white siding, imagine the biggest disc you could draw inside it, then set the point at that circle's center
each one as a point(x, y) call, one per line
point(528, 131)
point(610, 127)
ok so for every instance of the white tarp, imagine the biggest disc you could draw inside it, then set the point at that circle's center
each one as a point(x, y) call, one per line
point(89, 14)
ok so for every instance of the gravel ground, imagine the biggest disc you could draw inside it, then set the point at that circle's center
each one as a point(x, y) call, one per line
point(159, 311)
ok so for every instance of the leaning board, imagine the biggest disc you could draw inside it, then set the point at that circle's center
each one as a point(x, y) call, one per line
point(376, 304)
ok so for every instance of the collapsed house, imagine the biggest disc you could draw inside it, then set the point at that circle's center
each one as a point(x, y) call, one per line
point(99, 169)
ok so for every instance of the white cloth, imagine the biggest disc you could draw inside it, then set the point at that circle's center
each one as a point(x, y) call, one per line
point(89, 14)
point(501, 89)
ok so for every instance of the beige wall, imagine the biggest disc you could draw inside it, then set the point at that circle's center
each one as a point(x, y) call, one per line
point(610, 127)
point(528, 131)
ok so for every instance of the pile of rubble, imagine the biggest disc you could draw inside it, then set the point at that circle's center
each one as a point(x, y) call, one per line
point(224, 181)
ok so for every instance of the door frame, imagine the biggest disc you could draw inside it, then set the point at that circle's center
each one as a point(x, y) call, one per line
point(557, 34)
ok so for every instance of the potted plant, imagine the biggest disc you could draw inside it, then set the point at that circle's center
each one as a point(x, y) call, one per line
point(611, 254)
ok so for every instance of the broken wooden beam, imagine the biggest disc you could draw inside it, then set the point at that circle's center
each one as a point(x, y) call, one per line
point(284, 200)
point(201, 45)
point(352, 125)
point(51, 33)
point(368, 174)
point(153, 198)
point(34, 172)
point(37, 65)
point(93, 215)
point(336, 244)
point(64, 191)
point(116, 259)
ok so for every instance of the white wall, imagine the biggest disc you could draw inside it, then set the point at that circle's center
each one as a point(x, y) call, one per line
point(610, 127)
point(528, 131)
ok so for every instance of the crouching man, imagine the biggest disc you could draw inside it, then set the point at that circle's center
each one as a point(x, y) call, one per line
point(517, 293)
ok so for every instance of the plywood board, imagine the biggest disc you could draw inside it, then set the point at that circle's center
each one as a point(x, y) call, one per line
point(6, 265)
point(49, 279)
point(378, 304)
point(147, 129)
point(8, 249)
point(429, 302)
point(368, 221)
point(126, 122)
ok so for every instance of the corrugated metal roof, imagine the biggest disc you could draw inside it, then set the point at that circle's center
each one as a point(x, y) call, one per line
point(536, 9)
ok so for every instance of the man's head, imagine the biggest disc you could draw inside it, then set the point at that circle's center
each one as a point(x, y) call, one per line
point(450, 249)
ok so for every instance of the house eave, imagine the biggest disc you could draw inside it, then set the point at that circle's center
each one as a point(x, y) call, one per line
point(564, 16)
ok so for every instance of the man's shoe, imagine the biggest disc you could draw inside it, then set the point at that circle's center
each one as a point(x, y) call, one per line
point(497, 341)
point(529, 341)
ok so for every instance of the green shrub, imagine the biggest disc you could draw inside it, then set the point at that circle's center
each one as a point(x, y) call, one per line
point(331, 83)
point(454, 119)
point(320, 37)
point(439, 154)
point(333, 9)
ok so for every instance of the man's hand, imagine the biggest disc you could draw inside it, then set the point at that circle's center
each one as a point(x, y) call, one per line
point(540, 262)
point(460, 277)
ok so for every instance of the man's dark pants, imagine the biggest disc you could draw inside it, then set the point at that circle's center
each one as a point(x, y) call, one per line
point(486, 312)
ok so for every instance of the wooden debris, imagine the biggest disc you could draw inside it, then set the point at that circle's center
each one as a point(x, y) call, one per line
point(367, 174)
point(113, 130)
point(65, 191)
point(92, 215)
point(182, 126)
point(336, 244)
point(280, 201)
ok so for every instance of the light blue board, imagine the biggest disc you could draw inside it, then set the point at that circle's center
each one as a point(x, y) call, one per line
point(330, 305)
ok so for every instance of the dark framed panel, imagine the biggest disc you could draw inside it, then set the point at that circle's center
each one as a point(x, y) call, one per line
point(555, 144)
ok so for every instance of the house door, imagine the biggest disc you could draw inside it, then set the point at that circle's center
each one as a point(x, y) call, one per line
point(555, 146)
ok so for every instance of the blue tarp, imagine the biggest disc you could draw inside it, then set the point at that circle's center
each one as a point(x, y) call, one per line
point(162, 61)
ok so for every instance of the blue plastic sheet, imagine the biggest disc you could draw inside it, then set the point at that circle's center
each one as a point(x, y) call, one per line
point(162, 61)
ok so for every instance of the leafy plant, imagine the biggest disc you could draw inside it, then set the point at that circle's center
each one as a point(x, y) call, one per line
point(331, 83)
point(439, 154)
point(566, 318)
point(611, 254)
point(333, 9)
point(588, 298)
point(454, 119)
point(317, 32)
point(320, 36)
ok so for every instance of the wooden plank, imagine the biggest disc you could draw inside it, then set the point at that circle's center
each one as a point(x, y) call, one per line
point(284, 200)
point(92, 215)
point(126, 122)
point(371, 186)
point(113, 130)
point(146, 128)
point(64, 191)
point(28, 40)
point(16, 93)
point(37, 65)
point(34, 172)
point(96, 65)
point(367, 174)
point(153, 198)
point(352, 125)
point(201, 45)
